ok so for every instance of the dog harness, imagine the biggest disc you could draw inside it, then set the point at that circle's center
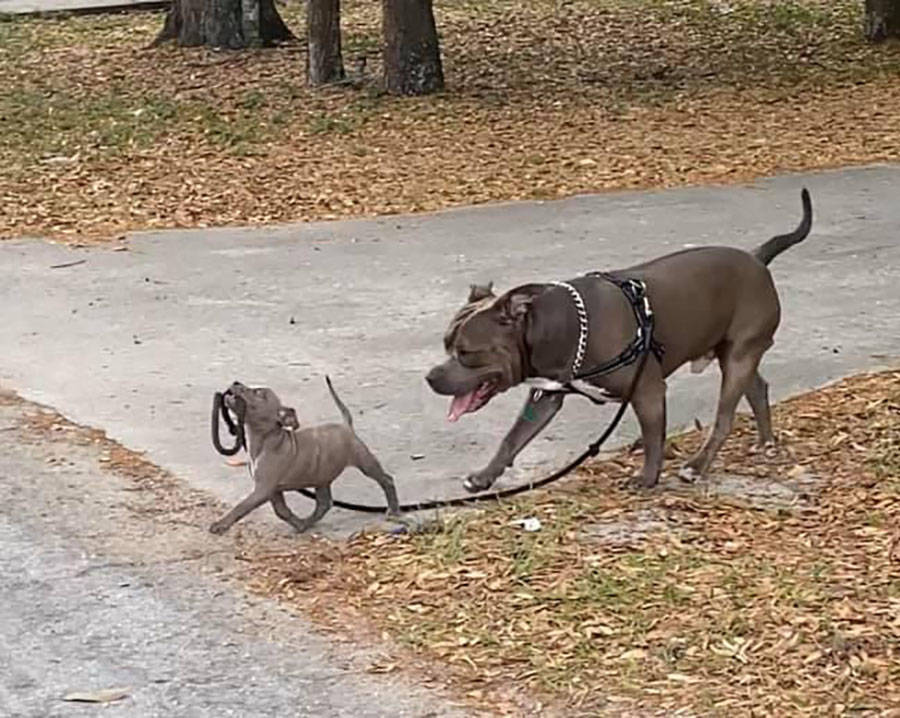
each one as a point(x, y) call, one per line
point(635, 292)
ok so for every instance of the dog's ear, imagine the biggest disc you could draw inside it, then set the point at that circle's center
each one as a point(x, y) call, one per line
point(287, 418)
point(479, 297)
point(477, 292)
point(514, 305)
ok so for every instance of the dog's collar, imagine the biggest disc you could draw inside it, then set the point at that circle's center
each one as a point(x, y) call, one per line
point(581, 310)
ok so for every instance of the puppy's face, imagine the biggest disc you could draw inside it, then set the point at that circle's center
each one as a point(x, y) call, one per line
point(260, 406)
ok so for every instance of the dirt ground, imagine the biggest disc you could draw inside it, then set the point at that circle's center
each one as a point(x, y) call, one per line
point(773, 589)
point(100, 135)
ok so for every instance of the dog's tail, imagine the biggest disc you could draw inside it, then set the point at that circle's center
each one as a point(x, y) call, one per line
point(345, 412)
point(765, 253)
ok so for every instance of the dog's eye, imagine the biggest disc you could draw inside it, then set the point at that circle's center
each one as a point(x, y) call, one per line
point(465, 357)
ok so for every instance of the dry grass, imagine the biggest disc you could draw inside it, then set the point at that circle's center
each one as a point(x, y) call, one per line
point(719, 608)
point(695, 604)
point(99, 135)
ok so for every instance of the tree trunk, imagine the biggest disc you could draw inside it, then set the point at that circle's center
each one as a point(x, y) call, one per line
point(233, 24)
point(323, 36)
point(882, 20)
point(412, 55)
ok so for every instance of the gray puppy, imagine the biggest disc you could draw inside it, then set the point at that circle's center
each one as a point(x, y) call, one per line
point(709, 302)
point(284, 457)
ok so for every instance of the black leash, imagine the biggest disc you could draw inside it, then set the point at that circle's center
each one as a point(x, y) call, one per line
point(235, 427)
point(592, 450)
point(639, 349)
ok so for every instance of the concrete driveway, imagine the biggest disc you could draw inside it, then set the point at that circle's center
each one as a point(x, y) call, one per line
point(137, 341)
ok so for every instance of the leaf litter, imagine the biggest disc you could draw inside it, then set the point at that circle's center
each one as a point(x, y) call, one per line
point(789, 609)
point(100, 135)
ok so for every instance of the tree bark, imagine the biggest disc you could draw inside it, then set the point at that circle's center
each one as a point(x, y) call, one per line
point(232, 24)
point(412, 55)
point(882, 20)
point(323, 36)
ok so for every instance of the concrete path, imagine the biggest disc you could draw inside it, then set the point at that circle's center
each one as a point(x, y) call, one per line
point(137, 341)
point(35, 7)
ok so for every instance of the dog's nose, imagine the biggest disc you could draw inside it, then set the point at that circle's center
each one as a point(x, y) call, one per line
point(434, 378)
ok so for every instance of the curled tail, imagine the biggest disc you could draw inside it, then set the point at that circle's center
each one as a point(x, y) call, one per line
point(766, 252)
point(345, 412)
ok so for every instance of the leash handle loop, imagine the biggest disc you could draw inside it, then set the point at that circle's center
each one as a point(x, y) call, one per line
point(235, 428)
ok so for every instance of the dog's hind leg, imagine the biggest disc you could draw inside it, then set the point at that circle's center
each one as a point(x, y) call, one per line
point(283, 512)
point(738, 365)
point(757, 394)
point(649, 404)
point(323, 505)
point(366, 462)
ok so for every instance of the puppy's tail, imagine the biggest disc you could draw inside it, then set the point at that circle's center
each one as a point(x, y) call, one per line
point(345, 412)
point(765, 253)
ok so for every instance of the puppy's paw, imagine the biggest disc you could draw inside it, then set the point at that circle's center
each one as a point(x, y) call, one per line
point(218, 528)
point(689, 474)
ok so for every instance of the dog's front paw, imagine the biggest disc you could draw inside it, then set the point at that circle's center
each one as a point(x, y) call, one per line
point(479, 481)
point(218, 528)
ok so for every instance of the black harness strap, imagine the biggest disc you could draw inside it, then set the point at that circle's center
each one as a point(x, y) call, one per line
point(636, 293)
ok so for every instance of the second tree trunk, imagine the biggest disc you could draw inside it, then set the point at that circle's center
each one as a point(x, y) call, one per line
point(323, 35)
point(882, 19)
point(412, 55)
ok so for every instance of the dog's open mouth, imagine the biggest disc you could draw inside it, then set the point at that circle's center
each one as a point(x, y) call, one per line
point(473, 401)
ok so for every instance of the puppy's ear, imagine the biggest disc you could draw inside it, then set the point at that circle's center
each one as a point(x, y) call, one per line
point(287, 418)
point(477, 292)
point(516, 303)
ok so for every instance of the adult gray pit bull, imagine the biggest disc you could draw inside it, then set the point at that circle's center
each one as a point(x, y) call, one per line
point(708, 302)
point(284, 457)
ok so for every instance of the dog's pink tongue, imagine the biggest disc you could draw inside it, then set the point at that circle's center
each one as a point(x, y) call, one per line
point(460, 405)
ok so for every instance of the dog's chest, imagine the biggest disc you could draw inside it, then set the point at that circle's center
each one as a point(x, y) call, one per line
point(595, 392)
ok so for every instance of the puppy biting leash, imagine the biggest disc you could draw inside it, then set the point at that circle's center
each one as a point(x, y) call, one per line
point(638, 350)
point(235, 427)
